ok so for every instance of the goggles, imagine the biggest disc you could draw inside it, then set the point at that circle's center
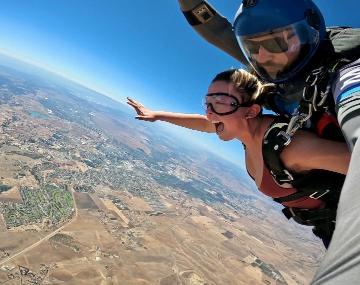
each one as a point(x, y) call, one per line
point(274, 45)
point(223, 103)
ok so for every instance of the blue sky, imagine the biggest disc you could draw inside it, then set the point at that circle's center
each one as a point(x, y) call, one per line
point(139, 48)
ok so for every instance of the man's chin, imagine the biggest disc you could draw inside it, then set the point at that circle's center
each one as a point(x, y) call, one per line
point(274, 72)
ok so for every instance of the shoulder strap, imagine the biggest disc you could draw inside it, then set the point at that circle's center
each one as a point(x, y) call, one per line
point(274, 142)
point(345, 42)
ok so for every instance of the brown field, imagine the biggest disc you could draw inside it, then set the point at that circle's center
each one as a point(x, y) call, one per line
point(84, 201)
point(9, 156)
point(188, 247)
point(170, 250)
point(98, 202)
point(13, 242)
point(137, 204)
point(111, 207)
point(12, 195)
point(121, 132)
point(7, 167)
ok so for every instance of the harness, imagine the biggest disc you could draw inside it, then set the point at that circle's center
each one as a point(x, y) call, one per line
point(315, 95)
point(316, 110)
point(316, 184)
point(340, 48)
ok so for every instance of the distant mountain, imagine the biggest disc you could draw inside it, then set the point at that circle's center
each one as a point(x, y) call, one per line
point(48, 79)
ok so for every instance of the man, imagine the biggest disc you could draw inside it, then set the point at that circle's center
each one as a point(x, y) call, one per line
point(317, 71)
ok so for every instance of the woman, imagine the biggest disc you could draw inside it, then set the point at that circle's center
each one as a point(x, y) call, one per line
point(233, 112)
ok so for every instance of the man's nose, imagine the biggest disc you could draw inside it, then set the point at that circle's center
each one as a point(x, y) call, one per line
point(264, 55)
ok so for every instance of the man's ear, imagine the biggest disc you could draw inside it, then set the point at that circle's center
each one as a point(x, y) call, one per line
point(253, 111)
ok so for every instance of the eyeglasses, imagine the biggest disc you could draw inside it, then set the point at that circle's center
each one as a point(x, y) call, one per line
point(223, 103)
point(273, 45)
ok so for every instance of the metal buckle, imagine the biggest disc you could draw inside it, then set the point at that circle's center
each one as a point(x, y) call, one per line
point(313, 195)
point(310, 97)
point(289, 176)
point(299, 219)
point(292, 212)
point(304, 117)
point(286, 136)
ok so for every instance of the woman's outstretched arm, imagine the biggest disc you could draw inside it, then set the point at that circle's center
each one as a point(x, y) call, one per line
point(191, 121)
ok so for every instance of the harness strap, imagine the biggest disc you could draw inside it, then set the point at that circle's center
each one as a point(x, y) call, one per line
point(305, 193)
point(317, 184)
point(274, 142)
point(310, 217)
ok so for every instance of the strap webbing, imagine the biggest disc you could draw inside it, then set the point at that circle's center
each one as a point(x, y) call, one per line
point(310, 217)
point(274, 142)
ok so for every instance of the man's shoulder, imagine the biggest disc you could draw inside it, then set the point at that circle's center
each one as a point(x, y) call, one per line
point(345, 41)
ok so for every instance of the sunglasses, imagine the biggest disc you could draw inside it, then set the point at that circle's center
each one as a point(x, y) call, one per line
point(273, 45)
point(223, 103)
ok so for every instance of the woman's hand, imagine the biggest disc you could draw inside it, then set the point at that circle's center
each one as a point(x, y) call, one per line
point(189, 121)
point(144, 114)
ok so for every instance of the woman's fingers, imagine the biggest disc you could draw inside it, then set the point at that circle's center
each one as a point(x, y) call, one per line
point(137, 110)
point(143, 113)
point(137, 107)
point(134, 103)
point(144, 118)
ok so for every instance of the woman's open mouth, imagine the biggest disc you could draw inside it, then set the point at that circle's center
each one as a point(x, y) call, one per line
point(219, 127)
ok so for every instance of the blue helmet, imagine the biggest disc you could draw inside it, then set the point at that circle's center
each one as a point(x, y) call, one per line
point(278, 37)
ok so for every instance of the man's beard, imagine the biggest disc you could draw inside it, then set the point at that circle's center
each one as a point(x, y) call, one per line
point(272, 69)
point(272, 66)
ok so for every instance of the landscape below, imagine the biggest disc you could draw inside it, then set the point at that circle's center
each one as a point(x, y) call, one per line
point(90, 196)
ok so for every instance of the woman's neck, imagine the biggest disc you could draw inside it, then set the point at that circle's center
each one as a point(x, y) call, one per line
point(253, 140)
point(253, 133)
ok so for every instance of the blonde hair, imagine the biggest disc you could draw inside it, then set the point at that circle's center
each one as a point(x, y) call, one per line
point(255, 90)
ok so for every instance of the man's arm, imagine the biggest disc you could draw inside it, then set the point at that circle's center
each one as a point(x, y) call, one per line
point(190, 121)
point(341, 264)
point(346, 90)
point(212, 26)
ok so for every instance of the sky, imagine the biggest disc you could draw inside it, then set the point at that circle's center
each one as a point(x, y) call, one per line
point(142, 49)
